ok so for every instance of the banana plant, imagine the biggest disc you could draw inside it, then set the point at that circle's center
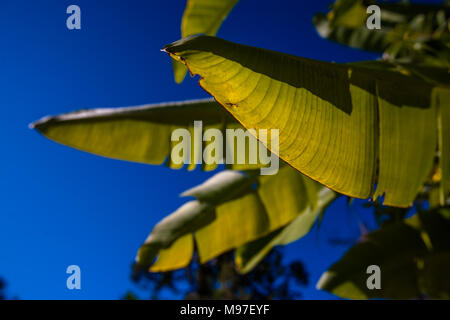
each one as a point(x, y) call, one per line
point(142, 134)
point(216, 220)
point(228, 212)
point(364, 129)
point(349, 126)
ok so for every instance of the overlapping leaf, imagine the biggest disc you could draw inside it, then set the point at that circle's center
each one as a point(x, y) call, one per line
point(346, 23)
point(250, 254)
point(338, 124)
point(412, 256)
point(201, 17)
point(229, 212)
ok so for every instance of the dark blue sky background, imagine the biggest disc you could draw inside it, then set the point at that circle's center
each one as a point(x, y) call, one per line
point(60, 206)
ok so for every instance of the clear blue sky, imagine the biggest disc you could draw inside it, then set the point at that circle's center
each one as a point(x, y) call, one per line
point(60, 206)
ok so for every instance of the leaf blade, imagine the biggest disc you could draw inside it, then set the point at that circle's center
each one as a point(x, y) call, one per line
point(201, 17)
point(143, 134)
point(250, 254)
point(327, 114)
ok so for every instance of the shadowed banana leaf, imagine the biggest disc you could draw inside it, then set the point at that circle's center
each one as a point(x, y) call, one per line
point(346, 22)
point(413, 256)
point(338, 124)
point(142, 134)
point(201, 17)
point(362, 37)
point(228, 212)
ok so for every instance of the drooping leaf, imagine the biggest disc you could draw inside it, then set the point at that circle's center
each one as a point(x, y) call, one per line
point(177, 256)
point(201, 17)
point(172, 238)
point(228, 213)
point(407, 148)
point(335, 122)
point(142, 134)
point(250, 254)
point(179, 71)
point(411, 256)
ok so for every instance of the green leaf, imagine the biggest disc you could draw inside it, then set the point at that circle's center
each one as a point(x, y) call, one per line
point(250, 254)
point(179, 71)
point(411, 255)
point(201, 17)
point(346, 22)
point(205, 16)
point(173, 232)
point(336, 122)
point(232, 212)
point(408, 138)
point(172, 240)
point(220, 187)
point(442, 98)
point(140, 134)
point(361, 37)
point(278, 200)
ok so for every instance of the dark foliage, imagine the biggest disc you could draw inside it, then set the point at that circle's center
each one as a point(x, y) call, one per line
point(218, 279)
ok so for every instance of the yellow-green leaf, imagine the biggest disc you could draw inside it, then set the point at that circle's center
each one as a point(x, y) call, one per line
point(228, 213)
point(250, 254)
point(170, 238)
point(404, 130)
point(177, 256)
point(336, 122)
point(442, 98)
point(279, 199)
point(179, 71)
point(141, 134)
point(205, 16)
point(201, 17)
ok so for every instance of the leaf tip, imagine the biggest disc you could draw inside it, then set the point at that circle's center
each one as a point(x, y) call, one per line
point(39, 124)
point(324, 280)
point(175, 46)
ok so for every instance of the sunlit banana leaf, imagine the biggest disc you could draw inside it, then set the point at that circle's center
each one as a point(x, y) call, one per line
point(172, 239)
point(336, 122)
point(201, 17)
point(141, 134)
point(250, 254)
point(229, 212)
point(412, 257)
